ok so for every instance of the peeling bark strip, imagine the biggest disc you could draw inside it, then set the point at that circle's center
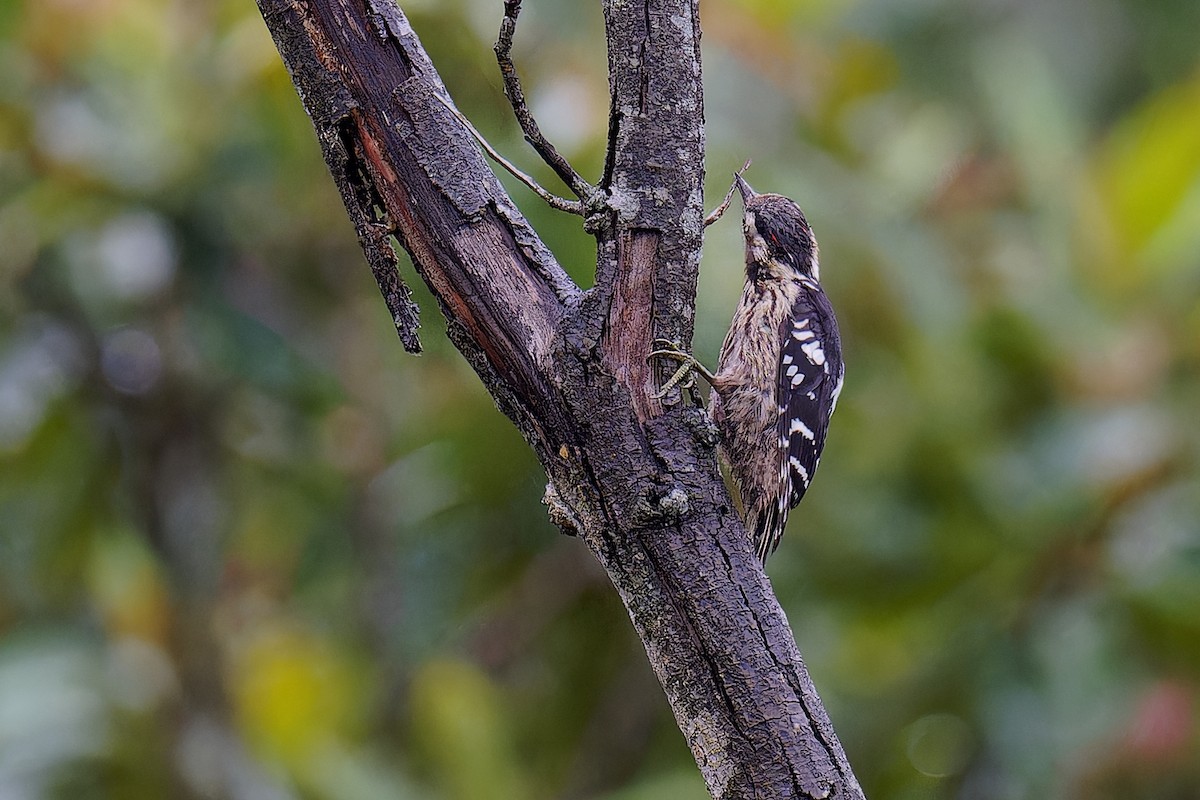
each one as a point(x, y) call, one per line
point(625, 342)
point(637, 481)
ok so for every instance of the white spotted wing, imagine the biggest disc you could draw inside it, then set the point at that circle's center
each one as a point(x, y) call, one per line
point(810, 379)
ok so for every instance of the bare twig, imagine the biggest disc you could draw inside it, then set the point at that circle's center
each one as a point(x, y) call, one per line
point(721, 209)
point(516, 97)
point(551, 199)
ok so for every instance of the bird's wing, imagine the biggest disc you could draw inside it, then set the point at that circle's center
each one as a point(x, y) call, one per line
point(810, 379)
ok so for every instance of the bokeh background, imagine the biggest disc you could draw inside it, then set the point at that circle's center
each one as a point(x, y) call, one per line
point(250, 549)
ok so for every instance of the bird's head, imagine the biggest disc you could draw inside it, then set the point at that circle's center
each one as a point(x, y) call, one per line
point(779, 243)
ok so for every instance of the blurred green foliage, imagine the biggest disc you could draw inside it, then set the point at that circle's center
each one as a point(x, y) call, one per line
point(250, 549)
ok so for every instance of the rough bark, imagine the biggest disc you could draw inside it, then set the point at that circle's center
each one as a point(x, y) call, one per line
point(636, 479)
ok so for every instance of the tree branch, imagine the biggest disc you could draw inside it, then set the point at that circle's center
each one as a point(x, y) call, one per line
point(552, 200)
point(399, 156)
point(636, 480)
point(516, 97)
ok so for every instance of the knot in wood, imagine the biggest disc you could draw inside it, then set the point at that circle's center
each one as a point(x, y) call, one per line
point(597, 213)
point(661, 504)
point(702, 426)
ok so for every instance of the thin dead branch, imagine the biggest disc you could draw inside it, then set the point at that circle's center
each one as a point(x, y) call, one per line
point(584, 190)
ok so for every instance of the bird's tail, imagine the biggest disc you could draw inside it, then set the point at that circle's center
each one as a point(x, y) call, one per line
point(765, 522)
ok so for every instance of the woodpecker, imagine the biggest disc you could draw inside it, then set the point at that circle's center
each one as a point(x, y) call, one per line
point(780, 370)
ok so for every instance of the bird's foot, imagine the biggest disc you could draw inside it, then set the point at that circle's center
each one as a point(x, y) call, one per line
point(688, 367)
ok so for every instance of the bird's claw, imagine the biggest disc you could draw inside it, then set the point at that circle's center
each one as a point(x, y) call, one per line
point(668, 348)
point(683, 377)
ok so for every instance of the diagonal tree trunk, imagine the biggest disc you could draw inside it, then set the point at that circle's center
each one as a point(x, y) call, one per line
point(634, 478)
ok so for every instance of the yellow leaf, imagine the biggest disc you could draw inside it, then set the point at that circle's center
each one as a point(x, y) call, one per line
point(1148, 165)
point(294, 694)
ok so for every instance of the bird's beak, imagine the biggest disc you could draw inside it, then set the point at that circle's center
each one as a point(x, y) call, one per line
point(744, 187)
